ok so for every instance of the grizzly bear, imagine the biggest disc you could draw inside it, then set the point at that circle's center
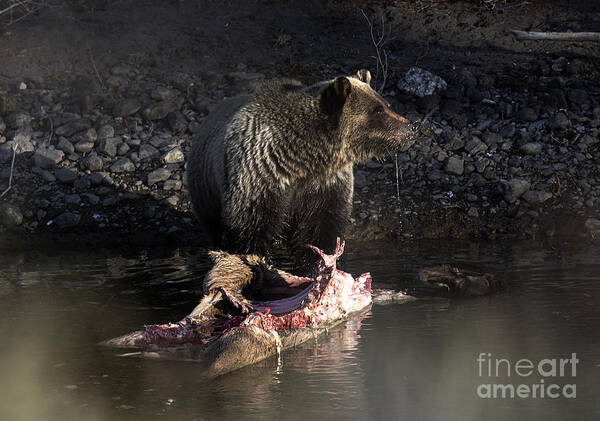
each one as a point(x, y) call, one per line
point(277, 165)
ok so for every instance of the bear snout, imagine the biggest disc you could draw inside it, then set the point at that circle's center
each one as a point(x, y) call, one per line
point(409, 134)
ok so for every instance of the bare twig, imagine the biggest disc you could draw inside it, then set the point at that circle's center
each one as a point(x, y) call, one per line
point(379, 41)
point(95, 68)
point(422, 56)
point(12, 167)
point(20, 9)
point(556, 36)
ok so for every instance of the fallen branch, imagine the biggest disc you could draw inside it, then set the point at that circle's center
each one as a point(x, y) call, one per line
point(556, 36)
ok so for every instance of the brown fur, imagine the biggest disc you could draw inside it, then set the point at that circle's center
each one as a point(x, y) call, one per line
point(278, 164)
point(248, 277)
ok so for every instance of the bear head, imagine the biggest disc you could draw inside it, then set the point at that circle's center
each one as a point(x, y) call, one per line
point(366, 125)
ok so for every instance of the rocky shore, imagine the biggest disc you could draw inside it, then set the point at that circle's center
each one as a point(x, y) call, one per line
point(511, 148)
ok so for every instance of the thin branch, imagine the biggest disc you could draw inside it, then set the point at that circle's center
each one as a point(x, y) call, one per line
point(12, 167)
point(12, 6)
point(95, 68)
point(379, 41)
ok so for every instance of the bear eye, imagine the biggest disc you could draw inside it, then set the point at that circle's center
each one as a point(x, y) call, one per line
point(379, 110)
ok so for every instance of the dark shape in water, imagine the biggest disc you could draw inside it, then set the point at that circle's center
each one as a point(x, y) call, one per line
point(449, 281)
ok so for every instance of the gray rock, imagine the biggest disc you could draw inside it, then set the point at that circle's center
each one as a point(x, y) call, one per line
point(84, 147)
point(117, 81)
point(2, 125)
point(534, 196)
point(481, 164)
point(126, 107)
point(97, 178)
point(578, 96)
point(420, 82)
point(158, 175)
point(6, 152)
point(67, 220)
point(560, 121)
point(441, 156)
point(109, 146)
point(181, 81)
point(161, 93)
point(10, 215)
point(105, 131)
point(18, 120)
point(65, 146)
point(148, 152)
point(163, 142)
point(527, 114)
point(22, 139)
point(454, 165)
point(172, 200)
point(72, 199)
point(48, 176)
point(517, 186)
point(91, 198)
point(177, 122)
point(507, 130)
point(160, 110)
point(82, 184)
point(65, 175)
point(92, 162)
point(531, 148)
point(110, 201)
point(47, 158)
point(455, 144)
point(174, 156)
point(491, 138)
point(172, 185)
point(73, 127)
point(90, 136)
point(123, 149)
point(586, 141)
point(475, 146)
point(122, 165)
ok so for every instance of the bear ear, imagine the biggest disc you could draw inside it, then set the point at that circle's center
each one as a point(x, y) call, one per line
point(334, 95)
point(364, 76)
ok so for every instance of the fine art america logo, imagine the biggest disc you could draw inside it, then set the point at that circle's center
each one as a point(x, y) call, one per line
point(546, 378)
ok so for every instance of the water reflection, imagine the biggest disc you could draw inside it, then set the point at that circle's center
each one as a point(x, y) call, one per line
point(412, 361)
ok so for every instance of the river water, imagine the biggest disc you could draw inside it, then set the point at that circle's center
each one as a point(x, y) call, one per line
point(413, 361)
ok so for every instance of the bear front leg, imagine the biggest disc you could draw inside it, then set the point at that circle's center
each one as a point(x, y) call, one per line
point(321, 212)
point(252, 223)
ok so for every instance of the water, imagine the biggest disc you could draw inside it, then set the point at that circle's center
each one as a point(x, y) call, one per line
point(414, 361)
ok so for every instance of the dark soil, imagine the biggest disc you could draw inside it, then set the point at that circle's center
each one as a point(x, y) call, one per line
point(119, 88)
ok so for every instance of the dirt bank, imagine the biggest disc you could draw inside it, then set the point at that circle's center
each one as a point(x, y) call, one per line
point(103, 99)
